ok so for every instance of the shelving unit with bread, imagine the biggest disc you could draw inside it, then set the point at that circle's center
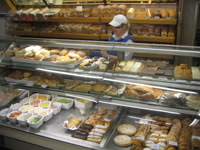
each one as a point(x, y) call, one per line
point(138, 13)
point(56, 67)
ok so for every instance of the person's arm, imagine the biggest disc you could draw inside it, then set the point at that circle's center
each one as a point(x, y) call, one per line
point(106, 55)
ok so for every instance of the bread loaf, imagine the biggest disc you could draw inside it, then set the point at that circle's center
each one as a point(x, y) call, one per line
point(130, 13)
point(172, 13)
point(164, 13)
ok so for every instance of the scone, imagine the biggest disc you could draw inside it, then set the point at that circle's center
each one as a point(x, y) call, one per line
point(123, 140)
point(126, 129)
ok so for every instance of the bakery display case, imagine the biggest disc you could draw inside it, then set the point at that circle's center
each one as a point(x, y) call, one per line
point(151, 21)
point(98, 103)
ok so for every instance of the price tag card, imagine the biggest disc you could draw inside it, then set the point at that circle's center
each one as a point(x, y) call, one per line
point(23, 18)
point(160, 132)
point(79, 8)
point(155, 146)
point(86, 15)
point(143, 121)
point(15, 18)
point(196, 137)
point(131, 17)
point(107, 97)
point(168, 17)
point(148, 17)
point(103, 31)
point(157, 17)
point(173, 143)
point(30, 19)
point(135, 34)
point(140, 138)
point(145, 35)
point(44, 86)
point(120, 91)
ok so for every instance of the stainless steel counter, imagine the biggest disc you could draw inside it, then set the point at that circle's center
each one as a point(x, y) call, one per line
point(52, 134)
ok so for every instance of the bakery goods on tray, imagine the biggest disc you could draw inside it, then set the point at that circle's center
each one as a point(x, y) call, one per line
point(137, 67)
point(172, 98)
point(73, 123)
point(183, 72)
point(100, 87)
point(196, 136)
point(142, 92)
point(128, 66)
point(123, 140)
point(94, 128)
point(69, 84)
point(193, 101)
point(137, 144)
point(116, 89)
point(126, 129)
point(84, 87)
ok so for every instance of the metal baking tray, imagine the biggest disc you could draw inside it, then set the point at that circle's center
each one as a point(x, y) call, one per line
point(70, 66)
point(6, 102)
point(133, 116)
point(54, 128)
point(24, 82)
point(17, 60)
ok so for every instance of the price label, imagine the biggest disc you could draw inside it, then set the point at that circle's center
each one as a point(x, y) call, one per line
point(23, 18)
point(160, 132)
point(79, 8)
point(44, 86)
point(135, 34)
point(148, 118)
point(196, 137)
point(140, 138)
point(15, 18)
point(173, 143)
point(157, 17)
point(86, 15)
point(30, 19)
point(131, 17)
point(120, 91)
point(103, 31)
point(155, 146)
point(145, 35)
point(148, 17)
point(168, 17)
point(142, 121)
point(107, 97)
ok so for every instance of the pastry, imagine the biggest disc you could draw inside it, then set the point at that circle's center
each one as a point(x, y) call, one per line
point(94, 139)
point(193, 102)
point(63, 52)
point(81, 53)
point(99, 87)
point(123, 140)
point(195, 73)
point(148, 13)
point(183, 72)
point(73, 123)
point(54, 51)
point(137, 67)
point(83, 88)
point(126, 129)
point(128, 66)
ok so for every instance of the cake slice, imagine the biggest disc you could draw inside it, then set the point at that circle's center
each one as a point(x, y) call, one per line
point(128, 66)
point(137, 67)
point(195, 73)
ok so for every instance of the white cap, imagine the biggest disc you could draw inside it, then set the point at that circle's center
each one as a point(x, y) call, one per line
point(118, 20)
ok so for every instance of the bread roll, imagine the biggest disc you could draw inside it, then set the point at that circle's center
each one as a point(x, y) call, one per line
point(164, 13)
point(156, 13)
point(164, 31)
point(55, 51)
point(63, 52)
point(172, 13)
point(171, 31)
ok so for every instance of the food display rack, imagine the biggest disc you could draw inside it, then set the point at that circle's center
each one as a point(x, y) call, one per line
point(50, 133)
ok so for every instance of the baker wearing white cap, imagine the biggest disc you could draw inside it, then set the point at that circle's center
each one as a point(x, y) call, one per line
point(120, 34)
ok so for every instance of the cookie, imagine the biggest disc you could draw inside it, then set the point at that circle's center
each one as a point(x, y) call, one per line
point(123, 140)
point(126, 129)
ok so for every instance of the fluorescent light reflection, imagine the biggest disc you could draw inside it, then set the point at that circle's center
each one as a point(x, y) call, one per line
point(151, 109)
point(70, 74)
point(194, 122)
point(81, 97)
point(152, 86)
